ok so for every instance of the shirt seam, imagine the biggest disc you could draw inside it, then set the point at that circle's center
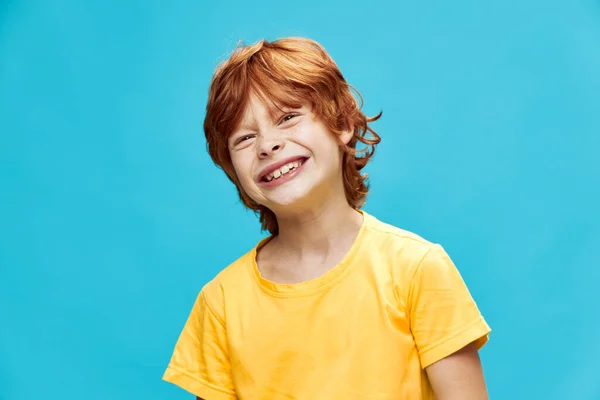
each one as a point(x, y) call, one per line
point(448, 338)
point(201, 381)
point(412, 282)
point(214, 314)
point(310, 292)
point(419, 240)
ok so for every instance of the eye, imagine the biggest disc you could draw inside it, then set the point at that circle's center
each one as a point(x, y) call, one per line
point(243, 139)
point(288, 117)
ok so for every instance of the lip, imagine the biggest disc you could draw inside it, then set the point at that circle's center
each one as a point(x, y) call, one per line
point(267, 170)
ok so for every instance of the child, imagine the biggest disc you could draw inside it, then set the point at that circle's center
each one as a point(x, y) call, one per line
point(334, 304)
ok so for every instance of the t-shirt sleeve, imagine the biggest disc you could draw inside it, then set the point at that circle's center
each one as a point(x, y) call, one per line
point(443, 315)
point(200, 361)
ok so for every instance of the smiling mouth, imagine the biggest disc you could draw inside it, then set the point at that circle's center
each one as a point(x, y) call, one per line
point(282, 171)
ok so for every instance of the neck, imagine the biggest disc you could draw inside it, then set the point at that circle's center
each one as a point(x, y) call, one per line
point(319, 232)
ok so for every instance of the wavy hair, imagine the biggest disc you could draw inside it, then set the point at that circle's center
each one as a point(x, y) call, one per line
point(288, 72)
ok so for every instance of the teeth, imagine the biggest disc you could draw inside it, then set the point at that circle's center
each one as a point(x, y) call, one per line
point(283, 170)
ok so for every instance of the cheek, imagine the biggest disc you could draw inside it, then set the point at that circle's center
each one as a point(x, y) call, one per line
point(242, 166)
point(329, 147)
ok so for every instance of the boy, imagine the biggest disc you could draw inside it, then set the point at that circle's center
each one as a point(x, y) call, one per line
point(334, 304)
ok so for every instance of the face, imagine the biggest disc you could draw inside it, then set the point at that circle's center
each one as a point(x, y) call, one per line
point(289, 160)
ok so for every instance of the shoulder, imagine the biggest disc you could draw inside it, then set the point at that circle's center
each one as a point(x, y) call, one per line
point(413, 262)
point(396, 242)
point(407, 255)
point(237, 277)
point(410, 257)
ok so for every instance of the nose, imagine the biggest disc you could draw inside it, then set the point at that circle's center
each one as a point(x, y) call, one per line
point(268, 146)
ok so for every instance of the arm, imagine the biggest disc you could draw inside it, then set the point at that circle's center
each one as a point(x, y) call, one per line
point(448, 329)
point(458, 376)
point(200, 360)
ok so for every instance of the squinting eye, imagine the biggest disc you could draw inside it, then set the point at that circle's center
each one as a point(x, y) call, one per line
point(288, 117)
point(243, 139)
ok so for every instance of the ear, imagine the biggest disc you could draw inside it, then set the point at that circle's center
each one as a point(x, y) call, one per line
point(346, 135)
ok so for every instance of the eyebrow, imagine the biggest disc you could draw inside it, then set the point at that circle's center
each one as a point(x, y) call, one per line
point(244, 126)
point(250, 124)
point(240, 130)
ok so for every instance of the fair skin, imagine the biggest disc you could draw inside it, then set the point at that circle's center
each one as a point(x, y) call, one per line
point(317, 226)
point(458, 376)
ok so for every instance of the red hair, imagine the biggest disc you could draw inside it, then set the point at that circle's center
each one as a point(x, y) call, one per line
point(288, 72)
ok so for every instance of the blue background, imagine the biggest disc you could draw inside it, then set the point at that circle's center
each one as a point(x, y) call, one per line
point(112, 216)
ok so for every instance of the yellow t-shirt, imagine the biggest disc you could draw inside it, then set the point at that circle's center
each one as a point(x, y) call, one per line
point(364, 330)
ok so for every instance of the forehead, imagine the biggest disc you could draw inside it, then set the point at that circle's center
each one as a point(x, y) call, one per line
point(256, 108)
point(261, 108)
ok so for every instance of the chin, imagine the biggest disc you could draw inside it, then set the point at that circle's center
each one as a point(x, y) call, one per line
point(297, 198)
point(286, 202)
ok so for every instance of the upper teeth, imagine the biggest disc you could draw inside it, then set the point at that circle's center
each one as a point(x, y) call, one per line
point(283, 170)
